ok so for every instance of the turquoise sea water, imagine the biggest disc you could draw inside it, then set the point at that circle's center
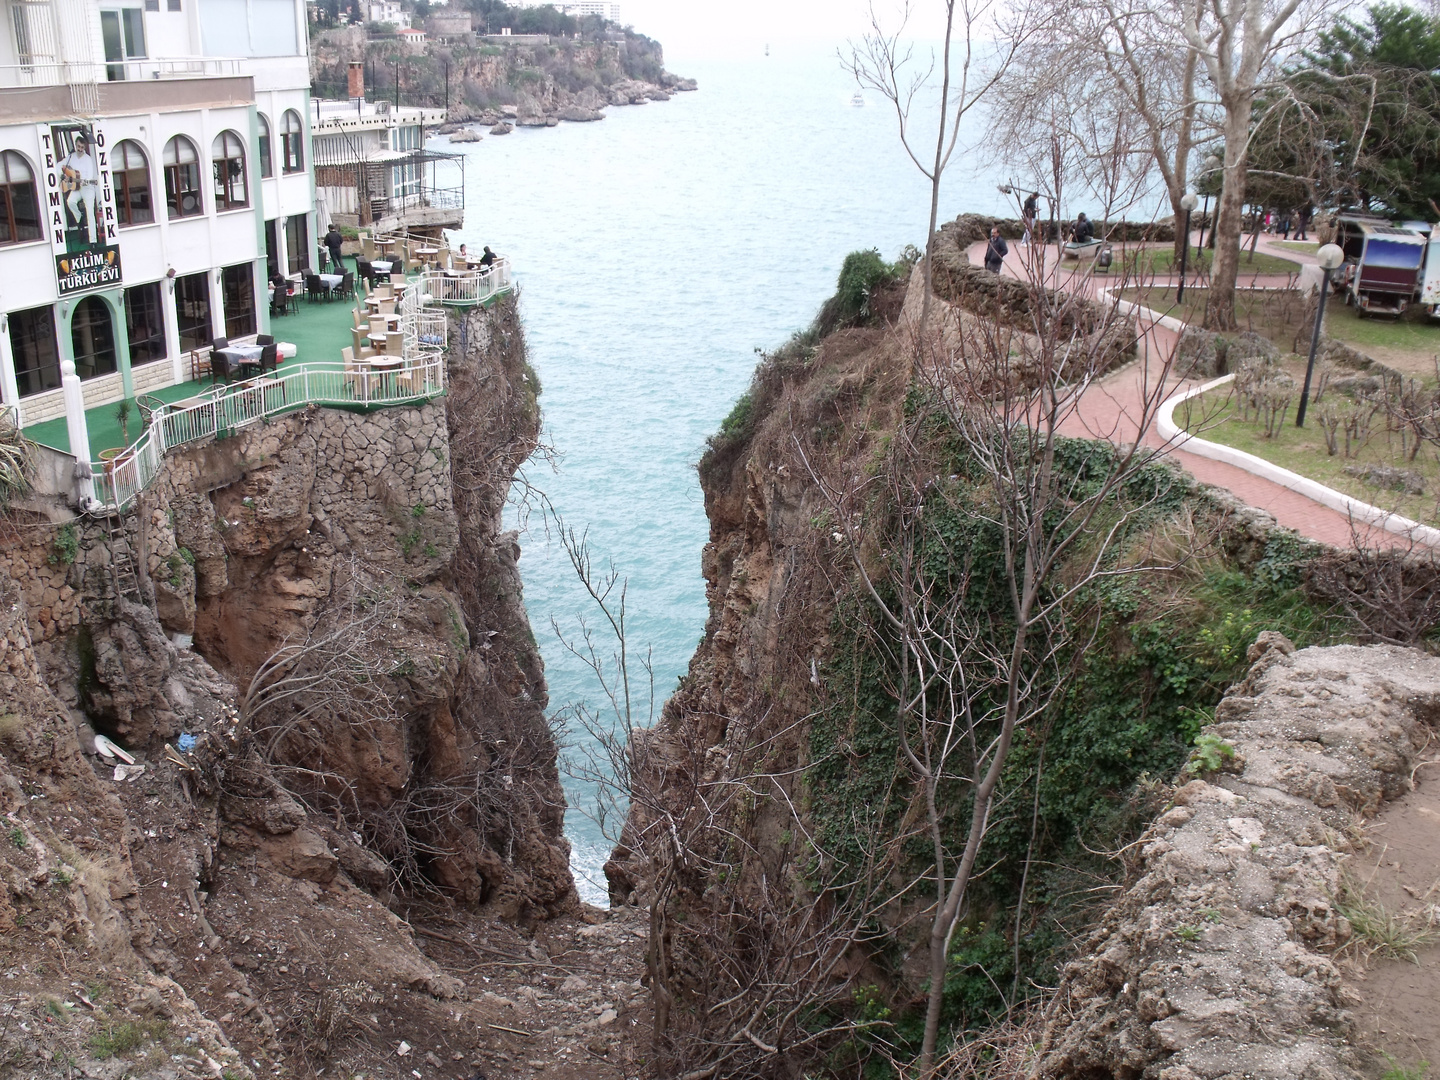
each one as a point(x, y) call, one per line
point(656, 250)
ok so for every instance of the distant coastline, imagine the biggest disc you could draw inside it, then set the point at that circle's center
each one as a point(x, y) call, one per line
point(500, 81)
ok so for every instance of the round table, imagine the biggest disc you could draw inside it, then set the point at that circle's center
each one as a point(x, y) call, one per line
point(427, 251)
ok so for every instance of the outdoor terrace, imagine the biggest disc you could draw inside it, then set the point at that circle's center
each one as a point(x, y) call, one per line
point(317, 374)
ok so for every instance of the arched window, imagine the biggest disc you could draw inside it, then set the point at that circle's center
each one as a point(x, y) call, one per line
point(131, 174)
point(228, 155)
point(19, 206)
point(292, 158)
point(266, 168)
point(93, 337)
point(182, 178)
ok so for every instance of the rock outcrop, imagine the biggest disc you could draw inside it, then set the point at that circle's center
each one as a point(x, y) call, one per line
point(1218, 961)
point(241, 873)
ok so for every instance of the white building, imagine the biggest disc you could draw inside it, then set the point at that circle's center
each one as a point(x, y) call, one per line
point(387, 11)
point(194, 114)
point(372, 168)
point(591, 7)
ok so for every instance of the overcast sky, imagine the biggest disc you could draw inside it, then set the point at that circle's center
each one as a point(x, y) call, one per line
point(735, 27)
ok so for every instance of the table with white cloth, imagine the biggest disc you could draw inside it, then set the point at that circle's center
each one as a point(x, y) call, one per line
point(381, 266)
point(243, 356)
point(331, 280)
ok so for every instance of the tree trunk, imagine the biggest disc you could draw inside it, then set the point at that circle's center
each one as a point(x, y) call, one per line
point(1220, 304)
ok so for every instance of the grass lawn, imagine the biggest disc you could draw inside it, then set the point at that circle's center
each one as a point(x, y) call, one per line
point(1307, 246)
point(1409, 344)
point(1303, 451)
point(1161, 260)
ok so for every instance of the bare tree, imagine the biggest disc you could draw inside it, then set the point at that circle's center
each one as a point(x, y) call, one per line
point(990, 40)
point(1143, 92)
point(740, 962)
point(989, 614)
point(1239, 43)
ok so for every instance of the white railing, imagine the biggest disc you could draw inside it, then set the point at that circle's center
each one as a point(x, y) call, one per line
point(117, 482)
point(467, 286)
point(48, 72)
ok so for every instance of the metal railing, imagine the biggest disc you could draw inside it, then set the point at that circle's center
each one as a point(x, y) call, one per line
point(464, 287)
point(118, 481)
point(46, 72)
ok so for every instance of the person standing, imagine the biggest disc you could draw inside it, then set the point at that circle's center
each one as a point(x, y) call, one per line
point(995, 251)
point(1302, 223)
point(333, 241)
point(81, 175)
point(1028, 214)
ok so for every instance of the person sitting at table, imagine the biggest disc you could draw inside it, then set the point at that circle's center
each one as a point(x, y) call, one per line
point(461, 254)
point(281, 286)
point(487, 259)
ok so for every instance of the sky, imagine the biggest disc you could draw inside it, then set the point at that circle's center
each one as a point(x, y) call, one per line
point(706, 28)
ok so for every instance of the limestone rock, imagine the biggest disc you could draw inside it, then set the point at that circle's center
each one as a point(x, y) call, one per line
point(1225, 937)
point(578, 114)
point(465, 135)
point(501, 128)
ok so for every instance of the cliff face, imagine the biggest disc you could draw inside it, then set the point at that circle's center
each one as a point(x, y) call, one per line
point(565, 79)
point(241, 883)
point(776, 774)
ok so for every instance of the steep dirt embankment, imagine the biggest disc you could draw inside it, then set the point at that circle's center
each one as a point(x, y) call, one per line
point(234, 899)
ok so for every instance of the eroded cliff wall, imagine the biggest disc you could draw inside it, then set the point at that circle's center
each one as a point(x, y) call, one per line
point(238, 890)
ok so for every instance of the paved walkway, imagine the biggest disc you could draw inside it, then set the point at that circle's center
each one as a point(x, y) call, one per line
point(1109, 410)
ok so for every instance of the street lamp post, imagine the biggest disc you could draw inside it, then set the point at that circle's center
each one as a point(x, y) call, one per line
point(1331, 256)
point(1188, 204)
point(1211, 164)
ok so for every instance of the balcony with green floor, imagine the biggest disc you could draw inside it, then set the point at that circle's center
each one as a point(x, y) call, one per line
point(319, 330)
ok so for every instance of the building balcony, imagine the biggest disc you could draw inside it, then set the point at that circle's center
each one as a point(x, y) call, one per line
point(172, 92)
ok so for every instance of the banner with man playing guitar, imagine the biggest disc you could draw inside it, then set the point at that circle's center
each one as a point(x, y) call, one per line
point(80, 207)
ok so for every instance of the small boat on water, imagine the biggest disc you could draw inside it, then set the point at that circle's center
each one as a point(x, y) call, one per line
point(858, 100)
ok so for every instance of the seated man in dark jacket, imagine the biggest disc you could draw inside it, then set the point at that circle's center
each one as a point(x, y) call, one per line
point(1084, 231)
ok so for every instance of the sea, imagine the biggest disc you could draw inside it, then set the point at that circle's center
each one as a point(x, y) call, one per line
point(656, 251)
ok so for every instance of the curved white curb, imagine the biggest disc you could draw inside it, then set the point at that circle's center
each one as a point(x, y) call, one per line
point(1311, 489)
point(1129, 307)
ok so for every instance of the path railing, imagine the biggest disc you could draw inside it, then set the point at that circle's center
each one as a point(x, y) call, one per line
point(119, 481)
point(466, 287)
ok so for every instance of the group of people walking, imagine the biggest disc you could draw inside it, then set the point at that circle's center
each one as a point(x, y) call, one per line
point(1280, 222)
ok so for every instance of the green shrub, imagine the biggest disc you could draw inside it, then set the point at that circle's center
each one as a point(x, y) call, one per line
point(65, 548)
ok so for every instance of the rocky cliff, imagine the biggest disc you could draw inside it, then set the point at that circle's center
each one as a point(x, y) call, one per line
point(323, 669)
point(775, 784)
point(535, 85)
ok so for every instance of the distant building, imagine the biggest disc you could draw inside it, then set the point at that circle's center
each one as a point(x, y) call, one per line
point(450, 25)
point(372, 168)
point(577, 8)
point(412, 38)
point(602, 8)
point(386, 11)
